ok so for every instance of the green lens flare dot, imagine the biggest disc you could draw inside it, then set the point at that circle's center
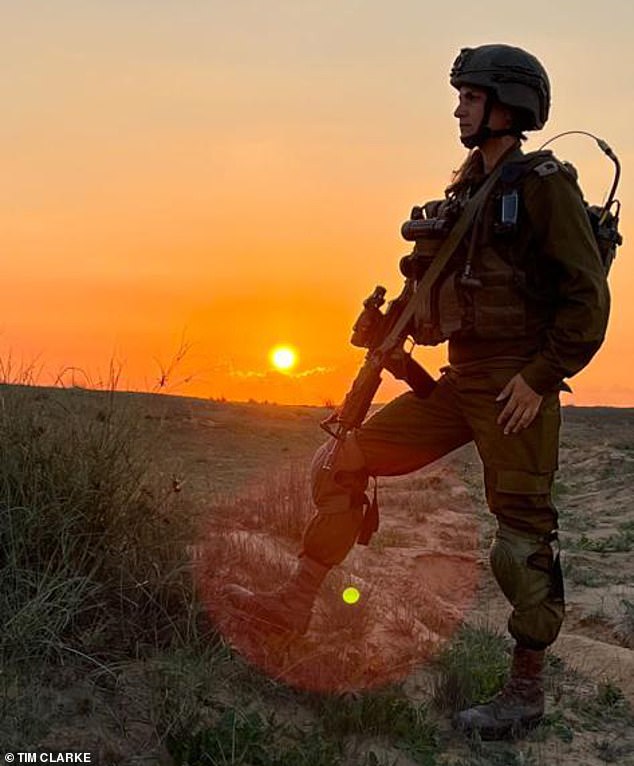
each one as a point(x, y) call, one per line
point(351, 595)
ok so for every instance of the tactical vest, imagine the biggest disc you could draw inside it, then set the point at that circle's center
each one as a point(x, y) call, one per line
point(497, 286)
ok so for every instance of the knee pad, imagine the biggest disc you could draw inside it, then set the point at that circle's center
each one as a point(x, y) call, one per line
point(529, 573)
point(337, 483)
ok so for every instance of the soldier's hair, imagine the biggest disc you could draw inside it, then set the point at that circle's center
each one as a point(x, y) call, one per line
point(471, 170)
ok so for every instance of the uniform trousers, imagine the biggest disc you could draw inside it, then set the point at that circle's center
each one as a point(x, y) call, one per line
point(411, 432)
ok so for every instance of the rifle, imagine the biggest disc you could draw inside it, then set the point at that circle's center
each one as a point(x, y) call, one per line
point(384, 334)
point(384, 337)
point(436, 228)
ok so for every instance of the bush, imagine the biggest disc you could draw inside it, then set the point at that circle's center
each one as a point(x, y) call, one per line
point(471, 669)
point(92, 548)
point(386, 712)
point(247, 738)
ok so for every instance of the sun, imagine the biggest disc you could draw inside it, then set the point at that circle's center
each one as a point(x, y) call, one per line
point(283, 358)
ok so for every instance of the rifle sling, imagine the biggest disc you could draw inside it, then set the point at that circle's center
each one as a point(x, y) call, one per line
point(422, 292)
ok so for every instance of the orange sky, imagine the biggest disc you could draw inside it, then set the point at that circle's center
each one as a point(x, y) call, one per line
point(235, 175)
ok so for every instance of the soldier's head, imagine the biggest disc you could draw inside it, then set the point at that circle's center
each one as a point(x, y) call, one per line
point(503, 91)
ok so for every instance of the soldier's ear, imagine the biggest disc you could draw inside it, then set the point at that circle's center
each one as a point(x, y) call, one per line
point(503, 116)
point(508, 116)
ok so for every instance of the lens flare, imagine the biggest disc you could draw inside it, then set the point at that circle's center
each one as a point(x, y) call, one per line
point(351, 595)
point(283, 358)
point(373, 628)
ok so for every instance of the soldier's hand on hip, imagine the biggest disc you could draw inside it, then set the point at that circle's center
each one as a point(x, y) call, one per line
point(522, 406)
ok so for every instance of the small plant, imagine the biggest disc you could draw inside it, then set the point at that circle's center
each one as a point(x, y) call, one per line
point(556, 723)
point(580, 575)
point(608, 704)
point(248, 738)
point(372, 759)
point(621, 542)
point(386, 712)
point(609, 696)
point(471, 669)
point(613, 749)
point(185, 682)
point(402, 618)
point(572, 518)
point(498, 754)
point(237, 738)
point(283, 506)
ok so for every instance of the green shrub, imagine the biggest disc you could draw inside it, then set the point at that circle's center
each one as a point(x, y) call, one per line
point(620, 542)
point(384, 712)
point(471, 669)
point(248, 738)
point(93, 554)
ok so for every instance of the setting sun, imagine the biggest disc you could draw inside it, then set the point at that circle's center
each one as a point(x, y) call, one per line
point(283, 358)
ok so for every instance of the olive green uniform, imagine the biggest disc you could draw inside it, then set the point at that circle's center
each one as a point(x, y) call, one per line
point(541, 310)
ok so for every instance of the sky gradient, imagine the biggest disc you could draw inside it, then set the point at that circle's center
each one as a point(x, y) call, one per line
point(228, 177)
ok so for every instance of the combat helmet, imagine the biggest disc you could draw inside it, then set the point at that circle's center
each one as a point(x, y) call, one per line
point(511, 76)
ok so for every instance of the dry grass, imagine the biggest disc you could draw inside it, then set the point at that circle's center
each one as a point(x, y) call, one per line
point(93, 544)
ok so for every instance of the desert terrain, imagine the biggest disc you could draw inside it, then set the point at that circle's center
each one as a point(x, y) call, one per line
point(241, 471)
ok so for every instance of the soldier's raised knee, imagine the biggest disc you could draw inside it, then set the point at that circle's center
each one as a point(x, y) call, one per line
point(338, 472)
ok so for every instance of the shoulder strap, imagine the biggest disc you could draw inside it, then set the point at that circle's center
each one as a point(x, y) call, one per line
point(419, 301)
point(543, 162)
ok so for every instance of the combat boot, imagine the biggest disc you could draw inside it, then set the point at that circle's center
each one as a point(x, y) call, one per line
point(287, 609)
point(519, 706)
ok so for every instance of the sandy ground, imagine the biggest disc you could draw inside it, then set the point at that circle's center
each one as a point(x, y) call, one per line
point(425, 571)
point(429, 558)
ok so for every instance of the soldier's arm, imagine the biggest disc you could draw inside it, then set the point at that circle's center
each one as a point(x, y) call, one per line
point(564, 238)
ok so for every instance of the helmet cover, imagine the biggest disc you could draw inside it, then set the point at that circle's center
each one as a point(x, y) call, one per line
point(514, 77)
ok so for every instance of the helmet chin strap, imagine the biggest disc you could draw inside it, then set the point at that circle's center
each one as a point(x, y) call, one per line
point(484, 132)
point(482, 135)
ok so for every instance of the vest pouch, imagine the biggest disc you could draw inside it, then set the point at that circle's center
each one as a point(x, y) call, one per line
point(428, 335)
point(499, 309)
point(431, 333)
point(450, 309)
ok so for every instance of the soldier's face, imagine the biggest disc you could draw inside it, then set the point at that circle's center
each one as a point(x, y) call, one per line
point(470, 111)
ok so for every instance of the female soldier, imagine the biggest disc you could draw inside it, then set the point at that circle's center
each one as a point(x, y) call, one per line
point(523, 304)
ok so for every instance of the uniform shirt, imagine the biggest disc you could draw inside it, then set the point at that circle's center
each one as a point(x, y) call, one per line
point(566, 300)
